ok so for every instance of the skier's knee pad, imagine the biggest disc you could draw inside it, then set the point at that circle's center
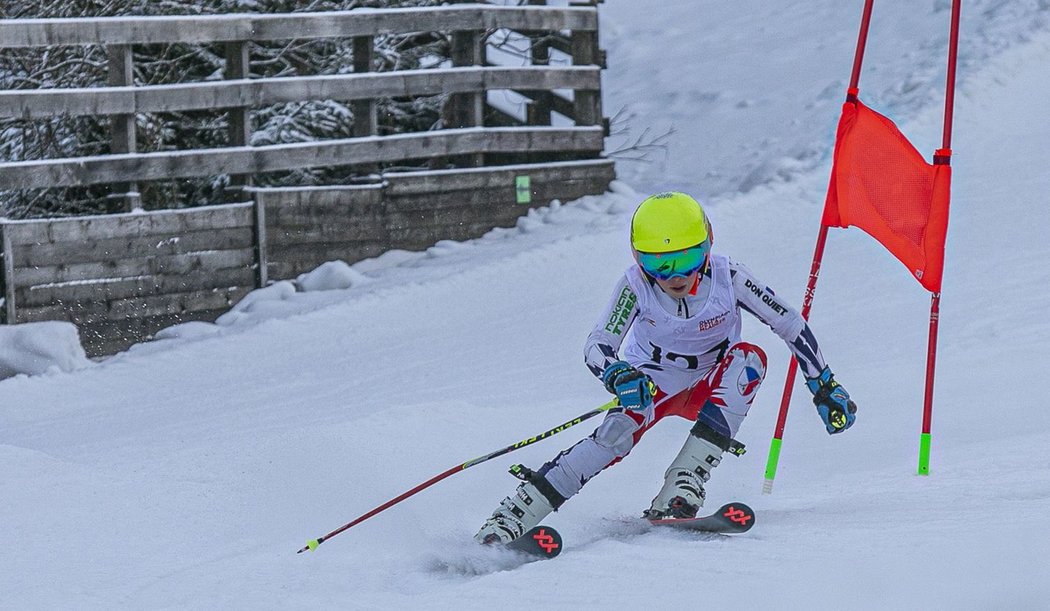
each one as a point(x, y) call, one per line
point(616, 433)
point(749, 355)
point(746, 371)
point(750, 349)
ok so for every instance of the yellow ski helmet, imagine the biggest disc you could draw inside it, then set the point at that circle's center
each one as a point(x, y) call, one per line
point(667, 222)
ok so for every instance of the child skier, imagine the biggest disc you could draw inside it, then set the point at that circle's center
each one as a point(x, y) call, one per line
point(684, 358)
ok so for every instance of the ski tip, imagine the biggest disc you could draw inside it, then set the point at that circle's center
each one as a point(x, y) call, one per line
point(767, 486)
point(738, 514)
point(731, 518)
point(541, 542)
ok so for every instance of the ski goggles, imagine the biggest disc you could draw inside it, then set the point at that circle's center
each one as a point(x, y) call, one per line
point(668, 265)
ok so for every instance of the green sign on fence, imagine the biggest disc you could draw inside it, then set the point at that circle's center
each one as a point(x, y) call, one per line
point(523, 189)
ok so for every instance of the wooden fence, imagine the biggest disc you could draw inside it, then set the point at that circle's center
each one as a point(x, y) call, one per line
point(467, 83)
point(122, 277)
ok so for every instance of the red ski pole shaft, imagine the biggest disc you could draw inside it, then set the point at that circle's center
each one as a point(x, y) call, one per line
point(313, 543)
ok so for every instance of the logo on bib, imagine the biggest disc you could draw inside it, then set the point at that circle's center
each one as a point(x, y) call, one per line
point(711, 323)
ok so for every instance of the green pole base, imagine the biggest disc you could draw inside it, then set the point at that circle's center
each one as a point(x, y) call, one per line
point(924, 454)
point(771, 465)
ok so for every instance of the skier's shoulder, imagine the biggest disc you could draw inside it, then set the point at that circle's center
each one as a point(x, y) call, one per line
point(625, 292)
point(725, 269)
point(745, 284)
point(634, 278)
point(733, 265)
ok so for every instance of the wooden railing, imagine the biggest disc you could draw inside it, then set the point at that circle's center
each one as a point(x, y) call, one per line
point(121, 277)
point(468, 80)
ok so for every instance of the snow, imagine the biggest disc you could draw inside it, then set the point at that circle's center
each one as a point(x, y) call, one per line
point(39, 348)
point(185, 472)
point(765, 80)
point(330, 276)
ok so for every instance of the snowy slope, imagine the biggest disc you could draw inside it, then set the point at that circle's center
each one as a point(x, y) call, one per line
point(765, 79)
point(186, 472)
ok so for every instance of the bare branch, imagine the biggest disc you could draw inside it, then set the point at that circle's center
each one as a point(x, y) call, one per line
point(640, 147)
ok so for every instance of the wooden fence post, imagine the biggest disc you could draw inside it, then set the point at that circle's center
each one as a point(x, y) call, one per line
point(238, 66)
point(366, 121)
point(7, 275)
point(587, 103)
point(468, 109)
point(538, 110)
point(262, 258)
point(125, 196)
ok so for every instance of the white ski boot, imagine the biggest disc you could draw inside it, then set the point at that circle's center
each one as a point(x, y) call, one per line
point(515, 516)
point(683, 493)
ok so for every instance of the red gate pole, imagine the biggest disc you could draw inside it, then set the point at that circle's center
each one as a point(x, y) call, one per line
point(862, 43)
point(785, 400)
point(818, 255)
point(942, 157)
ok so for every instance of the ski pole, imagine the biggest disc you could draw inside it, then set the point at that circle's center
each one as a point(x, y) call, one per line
point(313, 543)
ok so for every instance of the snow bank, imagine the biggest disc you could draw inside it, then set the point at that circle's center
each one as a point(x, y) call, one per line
point(330, 276)
point(40, 347)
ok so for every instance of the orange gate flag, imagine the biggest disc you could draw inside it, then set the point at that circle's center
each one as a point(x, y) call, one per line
point(881, 184)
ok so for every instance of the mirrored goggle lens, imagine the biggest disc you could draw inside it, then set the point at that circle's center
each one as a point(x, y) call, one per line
point(667, 265)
